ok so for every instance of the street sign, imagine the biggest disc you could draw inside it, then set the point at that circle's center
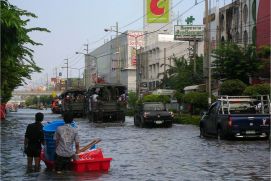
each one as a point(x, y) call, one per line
point(188, 32)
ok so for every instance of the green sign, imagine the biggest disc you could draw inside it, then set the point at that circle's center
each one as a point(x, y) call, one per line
point(189, 20)
point(188, 32)
point(157, 11)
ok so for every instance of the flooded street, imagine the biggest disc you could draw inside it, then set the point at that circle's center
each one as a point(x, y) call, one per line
point(176, 153)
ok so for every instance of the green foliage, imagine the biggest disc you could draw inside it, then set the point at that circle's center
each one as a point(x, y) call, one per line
point(17, 62)
point(263, 56)
point(187, 119)
point(132, 100)
point(182, 74)
point(232, 87)
point(257, 89)
point(234, 62)
point(34, 100)
point(179, 96)
point(198, 99)
point(156, 98)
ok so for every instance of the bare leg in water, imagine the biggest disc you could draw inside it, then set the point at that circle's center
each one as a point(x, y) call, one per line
point(37, 164)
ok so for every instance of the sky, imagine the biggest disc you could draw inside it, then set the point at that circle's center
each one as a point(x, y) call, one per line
point(75, 23)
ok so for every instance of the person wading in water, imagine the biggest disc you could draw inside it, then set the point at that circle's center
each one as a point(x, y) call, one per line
point(34, 138)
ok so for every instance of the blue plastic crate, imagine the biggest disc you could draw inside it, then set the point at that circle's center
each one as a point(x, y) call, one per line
point(49, 131)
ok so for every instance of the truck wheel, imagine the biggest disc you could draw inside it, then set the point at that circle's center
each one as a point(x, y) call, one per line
point(168, 125)
point(90, 117)
point(135, 122)
point(141, 123)
point(202, 132)
point(219, 134)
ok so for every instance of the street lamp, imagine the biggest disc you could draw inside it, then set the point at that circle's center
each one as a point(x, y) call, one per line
point(96, 62)
point(138, 62)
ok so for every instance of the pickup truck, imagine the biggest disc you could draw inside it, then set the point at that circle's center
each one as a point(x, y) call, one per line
point(151, 114)
point(237, 117)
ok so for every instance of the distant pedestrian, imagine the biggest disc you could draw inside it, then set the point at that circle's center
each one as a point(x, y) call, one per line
point(65, 136)
point(34, 138)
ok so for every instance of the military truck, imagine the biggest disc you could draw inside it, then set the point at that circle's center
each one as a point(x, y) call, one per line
point(73, 100)
point(106, 103)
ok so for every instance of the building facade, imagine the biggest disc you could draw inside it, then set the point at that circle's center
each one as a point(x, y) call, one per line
point(237, 22)
point(115, 61)
point(156, 58)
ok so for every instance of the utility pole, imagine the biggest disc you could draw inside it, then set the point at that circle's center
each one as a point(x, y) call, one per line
point(194, 53)
point(47, 81)
point(67, 67)
point(118, 54)
point(206, 52)
point(86, 47)
point(165, 59)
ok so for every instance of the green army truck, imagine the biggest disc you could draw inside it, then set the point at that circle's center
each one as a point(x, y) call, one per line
point(106, 103)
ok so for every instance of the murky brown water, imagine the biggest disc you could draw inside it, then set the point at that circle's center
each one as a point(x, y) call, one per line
point(176, 153)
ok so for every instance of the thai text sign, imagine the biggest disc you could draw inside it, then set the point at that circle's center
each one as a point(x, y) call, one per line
point(157, 11)
point(135, 39)
point(188, 32)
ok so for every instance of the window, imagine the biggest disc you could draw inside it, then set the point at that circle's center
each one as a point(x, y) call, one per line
point(254, 35)
point(245, 38)
point(254, 10)
point(245, 13)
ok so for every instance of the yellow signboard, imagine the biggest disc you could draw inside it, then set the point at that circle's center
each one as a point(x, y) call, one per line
point(157, 11)
point(53, 94)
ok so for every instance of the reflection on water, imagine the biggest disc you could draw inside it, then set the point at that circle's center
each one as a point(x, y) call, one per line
point(176, 153)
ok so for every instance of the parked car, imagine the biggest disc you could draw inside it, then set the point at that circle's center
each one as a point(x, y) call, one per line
point(151, 114)
point(237, 117)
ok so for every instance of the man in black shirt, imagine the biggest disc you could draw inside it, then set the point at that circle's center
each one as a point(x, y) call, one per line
point(34, 137)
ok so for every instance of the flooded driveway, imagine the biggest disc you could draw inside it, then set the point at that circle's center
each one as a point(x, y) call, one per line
point(176, 153)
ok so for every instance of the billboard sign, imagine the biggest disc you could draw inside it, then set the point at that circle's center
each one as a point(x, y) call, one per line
point(188, 32)
point(133, 56)
point(157, 11)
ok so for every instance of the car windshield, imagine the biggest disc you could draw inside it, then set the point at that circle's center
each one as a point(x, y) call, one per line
point(153, 107)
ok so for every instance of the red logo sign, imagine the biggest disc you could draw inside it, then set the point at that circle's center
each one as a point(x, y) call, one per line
point(155, 9)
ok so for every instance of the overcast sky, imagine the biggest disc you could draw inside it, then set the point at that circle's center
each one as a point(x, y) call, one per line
point(75, 23)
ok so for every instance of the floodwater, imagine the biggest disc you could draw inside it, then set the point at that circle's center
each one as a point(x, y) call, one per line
point(165, 154)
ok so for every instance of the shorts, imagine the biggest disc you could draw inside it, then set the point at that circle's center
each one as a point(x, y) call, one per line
point(63, 163)
point(32, 152)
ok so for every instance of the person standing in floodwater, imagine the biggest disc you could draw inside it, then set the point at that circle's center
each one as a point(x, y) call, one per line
point(65, 136)
point(34, 138)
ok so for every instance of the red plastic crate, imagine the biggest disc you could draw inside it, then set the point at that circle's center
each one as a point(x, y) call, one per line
point(91, 160)
point(102, 164)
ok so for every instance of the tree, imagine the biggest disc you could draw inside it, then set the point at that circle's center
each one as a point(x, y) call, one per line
point(132, 100)
point(17, 61)
point(180, 74)
point(257, 89)
point(235, 62)
point(232, 87)
point(263, 55)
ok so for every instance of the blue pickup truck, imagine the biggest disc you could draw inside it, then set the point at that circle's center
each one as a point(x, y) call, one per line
point(237, 117)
